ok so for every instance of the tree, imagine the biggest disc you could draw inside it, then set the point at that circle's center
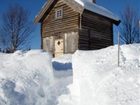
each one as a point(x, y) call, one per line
point(129, 28)
point(16, 29)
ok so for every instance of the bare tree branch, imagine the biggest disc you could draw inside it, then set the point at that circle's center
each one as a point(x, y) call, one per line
point(16, 29)
point(129, 27)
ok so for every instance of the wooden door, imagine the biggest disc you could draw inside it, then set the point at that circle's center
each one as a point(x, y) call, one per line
point(59, 47)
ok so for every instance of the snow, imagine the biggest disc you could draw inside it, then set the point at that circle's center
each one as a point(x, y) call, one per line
point(25, 78)
point(62, 65)
point(32, 78)
point(98, 80)
point(89, 5)
point(85, 4)
point(62, 74)
point(28, 78)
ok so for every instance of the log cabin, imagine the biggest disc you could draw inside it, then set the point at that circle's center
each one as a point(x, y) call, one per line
point(68, 25)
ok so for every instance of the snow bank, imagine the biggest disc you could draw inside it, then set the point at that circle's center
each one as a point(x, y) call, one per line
point(98, 81)
point(26, 78)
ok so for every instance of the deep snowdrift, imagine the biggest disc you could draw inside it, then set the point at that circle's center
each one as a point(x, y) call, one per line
point(98, 81)
point(25, 78)
point(29, 79)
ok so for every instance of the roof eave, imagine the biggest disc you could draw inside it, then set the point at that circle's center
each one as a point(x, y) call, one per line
point(37, 20)
point(40, 15)
point(46, 7)
point(117, 22)
point(114, 21)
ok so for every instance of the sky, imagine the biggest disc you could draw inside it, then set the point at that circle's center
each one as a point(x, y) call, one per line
point(34, 6)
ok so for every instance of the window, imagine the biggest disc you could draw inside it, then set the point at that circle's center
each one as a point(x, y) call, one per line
point(59, 13)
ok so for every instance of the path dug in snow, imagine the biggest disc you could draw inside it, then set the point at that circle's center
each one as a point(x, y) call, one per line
point(98, 81)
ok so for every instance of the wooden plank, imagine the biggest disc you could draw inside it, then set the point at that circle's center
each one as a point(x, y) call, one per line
point(97, 31)
point(69, 21)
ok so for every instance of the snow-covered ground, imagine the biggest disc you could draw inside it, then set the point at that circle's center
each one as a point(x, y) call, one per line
point(97, 80)
point(85, 78)
point(33, 78)
point(25, 78)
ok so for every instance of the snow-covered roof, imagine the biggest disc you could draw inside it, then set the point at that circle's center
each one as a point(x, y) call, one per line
point(89, 5)
point(80, 6)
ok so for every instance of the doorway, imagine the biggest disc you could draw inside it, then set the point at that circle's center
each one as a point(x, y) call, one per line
point(59, 47)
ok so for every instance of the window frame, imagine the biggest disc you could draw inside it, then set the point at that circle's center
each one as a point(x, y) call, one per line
point(56, 13)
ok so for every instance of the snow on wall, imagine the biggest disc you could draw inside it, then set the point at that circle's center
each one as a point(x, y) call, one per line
point(98, 81)
point(25, 78)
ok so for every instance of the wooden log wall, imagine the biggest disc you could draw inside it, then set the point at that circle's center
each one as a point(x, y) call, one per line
point(68, 23)
point(96, 32)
